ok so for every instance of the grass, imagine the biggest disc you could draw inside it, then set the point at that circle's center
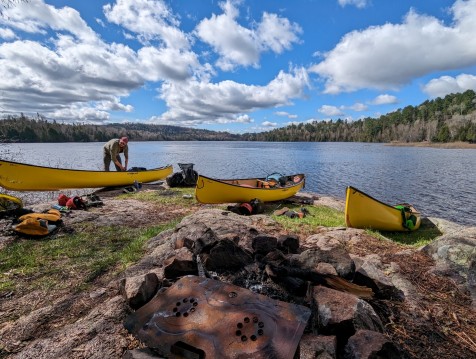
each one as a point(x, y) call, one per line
point(76, 260)
point(422, 236)
point(172, 197)
point(73, 259)
point(318, 216)
point(329, 217)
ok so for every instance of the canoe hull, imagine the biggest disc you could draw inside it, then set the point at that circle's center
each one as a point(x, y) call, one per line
point(214, 191)
point(363, 211)
point(24, 177)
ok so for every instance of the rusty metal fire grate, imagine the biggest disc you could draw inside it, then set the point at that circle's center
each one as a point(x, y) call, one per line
point(204, 318)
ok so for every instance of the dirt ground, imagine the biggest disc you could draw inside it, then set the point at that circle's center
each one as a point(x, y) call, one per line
point(442, 326)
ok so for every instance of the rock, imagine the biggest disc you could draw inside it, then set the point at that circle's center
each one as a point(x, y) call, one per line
point(264, 244)
point(367, 344)
point(369, 275)
point(143, 353)
point(325, 268)
point(334, 255)
point(226, 255)
point(139, 290)
point(342, 314)
point(454, 254)
point(318, 347)
point(288, 243)
point(182, 263)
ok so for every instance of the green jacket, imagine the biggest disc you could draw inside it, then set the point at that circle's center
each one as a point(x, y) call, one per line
point(113, 149)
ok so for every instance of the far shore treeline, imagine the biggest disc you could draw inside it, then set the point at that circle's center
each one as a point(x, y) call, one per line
point(448, 119)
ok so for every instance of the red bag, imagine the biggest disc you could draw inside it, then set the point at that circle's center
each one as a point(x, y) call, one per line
point(62, 200)
point(76, 203)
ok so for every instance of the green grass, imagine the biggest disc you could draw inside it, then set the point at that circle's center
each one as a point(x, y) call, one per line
point(78, 258)
point(329, 217)
point(172, 196)
point(318, 216)
point(422, 236)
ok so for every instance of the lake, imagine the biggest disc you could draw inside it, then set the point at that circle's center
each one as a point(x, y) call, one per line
point(438, 182)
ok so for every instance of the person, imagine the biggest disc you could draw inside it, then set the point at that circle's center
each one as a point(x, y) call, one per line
point(112, 149)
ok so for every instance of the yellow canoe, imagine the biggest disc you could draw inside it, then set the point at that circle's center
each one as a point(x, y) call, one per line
point(209, 190)
point(9, 203)
point(24, 177)
point(363, 211)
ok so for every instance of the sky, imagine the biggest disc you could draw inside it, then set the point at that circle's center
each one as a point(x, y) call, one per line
point(233, 65)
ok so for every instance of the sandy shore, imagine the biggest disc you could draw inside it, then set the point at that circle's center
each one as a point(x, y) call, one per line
point(449, 145)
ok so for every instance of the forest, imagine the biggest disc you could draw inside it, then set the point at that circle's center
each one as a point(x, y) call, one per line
point(448, 119)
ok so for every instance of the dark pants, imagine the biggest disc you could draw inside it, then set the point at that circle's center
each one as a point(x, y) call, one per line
point(107, 161)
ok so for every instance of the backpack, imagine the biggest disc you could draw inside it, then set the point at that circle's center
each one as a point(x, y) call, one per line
point(190, 176)
point(62, 199)
point(76, 203)
point(186, 178)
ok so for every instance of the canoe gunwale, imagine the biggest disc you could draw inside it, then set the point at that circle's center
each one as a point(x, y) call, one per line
point(17, 176)
point(222, 181)
point(77, 170)
point(383, 203)
point(213, 191)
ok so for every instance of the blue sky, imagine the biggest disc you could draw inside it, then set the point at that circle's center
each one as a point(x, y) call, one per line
point(237, 66)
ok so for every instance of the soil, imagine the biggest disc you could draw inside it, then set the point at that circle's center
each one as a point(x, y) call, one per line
point(442, 326)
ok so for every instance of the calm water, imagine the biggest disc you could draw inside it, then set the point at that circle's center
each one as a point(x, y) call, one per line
point(439, 182)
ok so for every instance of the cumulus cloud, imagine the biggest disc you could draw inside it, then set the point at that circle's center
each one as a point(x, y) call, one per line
point(150, 20)
point(7, 34)
point(37, 17)
point(76, 75)
point(391, 55)
point(73, 69)
point(244, 119)
point(269, 124)
point(241, 46)
point(330, 110)
point(285, 114)
point(384, 99)
point(359, 107)
point(193, 102)
point(445, 85)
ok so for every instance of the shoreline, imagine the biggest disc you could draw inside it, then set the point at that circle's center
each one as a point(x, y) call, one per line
point(446, 145)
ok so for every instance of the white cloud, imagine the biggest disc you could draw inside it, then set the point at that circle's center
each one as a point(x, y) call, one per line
point(241, 46)
point(276, 33)
point(285, 114)
point(7, 34)
point(357, 3)
point(330, 110)
point(37, 17)
point(384, 99)
point(244, 119)
point(82, 113)
point(359, 107)
point(391, 55)
point(269, 124)
point(74, 69)
point(150, 19)
point(192, 103)
point(445, 85)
